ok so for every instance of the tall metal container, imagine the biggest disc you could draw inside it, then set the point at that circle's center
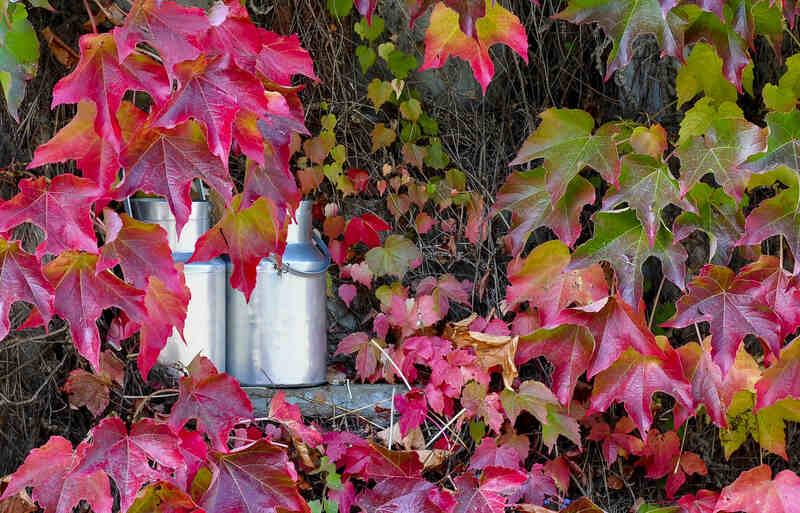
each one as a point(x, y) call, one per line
point(204, 329)
point(280, 338)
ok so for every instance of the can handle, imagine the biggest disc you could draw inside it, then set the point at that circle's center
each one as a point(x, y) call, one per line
point(309, 274)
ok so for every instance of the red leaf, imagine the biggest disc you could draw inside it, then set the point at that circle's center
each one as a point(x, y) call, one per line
point(166, 309)
point(704, 502)
point(257, 477)
point(366, 357)
point(658, 455)
point(21, 279)
point(486, 495)
point(140, 248)
point(478, 403)
point(272, 183)
point(289, 415)
point(365, 229)
point(215, 400)
point(213, 91)
point(172, 29)
point(283, 56)
point(165, 162)
point(634, 378)
point(56, 488)
point(489, 454)
point(125, 457)
point(705, 378)
point(82, 293)
point(102, 78)
point(538, 485)
point(413, 408)
point(615, 327)
point(754, 491)
point(247, 235)
point(568, 348)
point(424, 223)
point(780, 380)
point(542, 280)
point(347, 291)
point(732, 309)
point(366, 8)
point(779, 289)
point(61, 207)
point(232, 32)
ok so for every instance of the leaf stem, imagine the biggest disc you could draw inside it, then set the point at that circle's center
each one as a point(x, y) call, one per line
point(655, 303)
point(91, 16)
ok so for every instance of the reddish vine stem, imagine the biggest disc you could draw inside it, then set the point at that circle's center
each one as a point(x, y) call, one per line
point(91, 16)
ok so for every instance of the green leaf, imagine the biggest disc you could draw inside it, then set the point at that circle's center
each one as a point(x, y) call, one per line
point(624, 21)
point(410, 132)
point(379, 92)
point(340, 8)
point(369, 32)
point(783, 143)
point(702, 73)
point(385, 49)
point(647, 186)
point(436, 157)
point(394, 258)
point(411, 109)
point(477, 430)
point(766, 426)
point(723, 151)
point(366, 57)
point(401, 64)
point(699, 118)
point(718, 216)
point(428, 124)
point(565, 141)
point(19, 55)
point(382, 137)
point(768, 21)
point(784, 96)
point(620, 240)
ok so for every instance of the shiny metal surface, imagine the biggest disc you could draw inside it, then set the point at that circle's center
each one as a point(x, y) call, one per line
point(204, 328)
point(156, 210)
point(280, 337)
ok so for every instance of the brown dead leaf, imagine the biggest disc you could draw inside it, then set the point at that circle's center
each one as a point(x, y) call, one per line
point(61, 51)
point(615, 483)
point(19, 503)
point(432, 458)
point(531, 508)
point(412, 441)
point(492, 350)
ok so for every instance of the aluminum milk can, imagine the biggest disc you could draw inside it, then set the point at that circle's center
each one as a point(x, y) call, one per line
point(280, 338)
point(204, 329)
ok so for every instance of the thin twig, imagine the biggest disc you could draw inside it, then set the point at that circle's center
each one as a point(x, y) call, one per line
point(444, 428)
point(396, 368)
point(391, 423)
point(655, 303)
point(7, 401)
point(91, 16)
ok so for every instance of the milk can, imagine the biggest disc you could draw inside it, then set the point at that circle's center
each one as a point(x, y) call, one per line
point(204, 329)
point(280, 338)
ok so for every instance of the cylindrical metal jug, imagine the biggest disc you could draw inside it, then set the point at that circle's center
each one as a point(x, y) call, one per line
point(280, 338)
point(204, 329)
point(156, 210)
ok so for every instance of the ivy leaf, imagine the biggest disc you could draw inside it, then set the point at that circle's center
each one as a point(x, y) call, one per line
point(215, 400)
point(365, 228)
point(140, 248)
point(90, 389)
point(615, 327)
point(703, 73)
point(755, 491)
point(445, 38)
point(394, 258)
point(784, 96)
point(633, 379)
point(542, 280)
point(256, 476)
point(125, 457)
point(478, 403)
point(732, 311)
point(703, 113)
point(166, 308)
point(535, 398)
point(19, 55)
point(213, 90)
point(366, 8)
point(620, 240)
point(21, 279)
point(727, 144)
point(486, 495)
point(703, 502)
point(508, 455)
point(647, 186)
point(705, 377)
point(775, 216)
point(718, 216)
point(57, 488)
point(779, 381)
point(525, 194)
point(289, 415)
point(102, 78)
point(231, 32)
point(281, 57)
point(60, 207)
point(767, 425)
point(82, 292)
point(569, 348)
point(729, 37)
point(366, 353)
point(175, 31)
point(163, 497)
point(779, 290)
point(413, 408)
point(564, 140)
point(624, 21)
point(166, 161)
point(271, 182)
point(783, 143)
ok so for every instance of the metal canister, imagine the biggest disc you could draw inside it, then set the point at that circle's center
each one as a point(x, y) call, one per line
point(156, 210)
point(279, 338)
point(204, 329)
